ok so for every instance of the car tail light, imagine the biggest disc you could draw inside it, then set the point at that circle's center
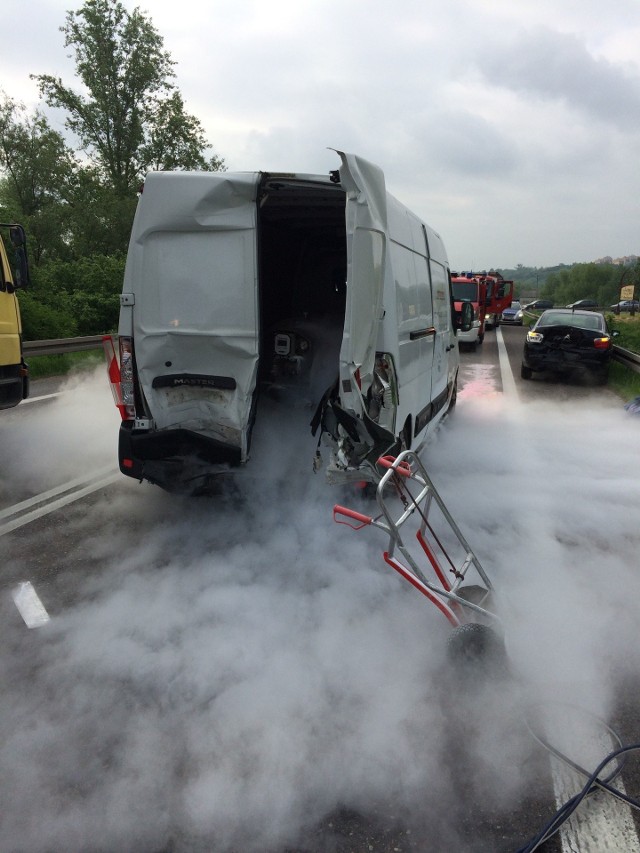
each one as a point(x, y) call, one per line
point(602, 343)
point(121, 376)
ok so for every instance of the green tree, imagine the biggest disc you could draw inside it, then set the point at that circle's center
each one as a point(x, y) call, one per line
point(66, 207)
point(633, 277)
point(583, 281)
point(132, 118)
point(42, 321)
point(100, 220)
point(78, 297)
point(39, 173)
point(177, 141)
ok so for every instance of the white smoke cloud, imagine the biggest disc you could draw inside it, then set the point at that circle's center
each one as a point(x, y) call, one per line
point(227, 673)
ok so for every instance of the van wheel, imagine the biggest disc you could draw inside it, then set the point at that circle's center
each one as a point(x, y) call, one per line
point(454, 396)
point(405, 435)
point(477, 647)
point(525, 372)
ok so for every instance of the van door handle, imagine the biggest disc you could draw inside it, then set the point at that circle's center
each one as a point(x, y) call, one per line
point(422, 333)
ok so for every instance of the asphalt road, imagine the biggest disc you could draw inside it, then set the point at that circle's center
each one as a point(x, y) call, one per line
point(241, 674)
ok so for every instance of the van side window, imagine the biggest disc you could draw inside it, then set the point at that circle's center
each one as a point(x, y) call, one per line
point(440, 290)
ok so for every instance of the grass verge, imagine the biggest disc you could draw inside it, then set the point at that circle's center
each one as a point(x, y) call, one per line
point(623, 381)
point(43, 366)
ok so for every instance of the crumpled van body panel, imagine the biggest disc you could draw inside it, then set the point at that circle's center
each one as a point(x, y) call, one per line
point(311, 290)
point(191, 272)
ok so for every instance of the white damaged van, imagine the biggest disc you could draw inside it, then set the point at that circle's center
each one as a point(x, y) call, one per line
point(316, 291)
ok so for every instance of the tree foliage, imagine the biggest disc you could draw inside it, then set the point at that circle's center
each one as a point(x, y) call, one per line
point(132, 117)
point(69, 298)
point(66, 208)
point(40, 172)
point(601, 282)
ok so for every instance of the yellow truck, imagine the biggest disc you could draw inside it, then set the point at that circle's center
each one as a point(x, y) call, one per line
point(14, 373)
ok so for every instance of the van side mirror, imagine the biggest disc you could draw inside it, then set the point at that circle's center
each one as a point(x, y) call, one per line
point(466, 316)
point(21, 272)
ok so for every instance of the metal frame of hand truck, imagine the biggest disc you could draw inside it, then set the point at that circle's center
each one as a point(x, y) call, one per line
point(405, 492)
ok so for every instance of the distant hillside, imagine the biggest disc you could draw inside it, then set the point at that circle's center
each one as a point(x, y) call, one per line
point(566, 283)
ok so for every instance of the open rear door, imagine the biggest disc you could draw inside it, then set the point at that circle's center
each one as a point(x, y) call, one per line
point(193, 266)
point(366, 221)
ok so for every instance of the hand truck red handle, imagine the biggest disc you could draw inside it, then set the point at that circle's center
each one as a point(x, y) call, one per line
point(351, 513)
point(390, 462)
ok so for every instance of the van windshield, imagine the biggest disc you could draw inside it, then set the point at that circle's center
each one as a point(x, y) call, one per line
point(465, 291)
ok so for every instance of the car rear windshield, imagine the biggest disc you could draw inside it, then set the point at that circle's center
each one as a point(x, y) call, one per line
point(581, 321)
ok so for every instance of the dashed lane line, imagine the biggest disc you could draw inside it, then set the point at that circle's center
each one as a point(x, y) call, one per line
point(509, 387)
point(48, 502)
point(29, 605)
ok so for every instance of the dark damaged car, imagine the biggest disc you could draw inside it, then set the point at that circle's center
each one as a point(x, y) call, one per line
point(565, 342)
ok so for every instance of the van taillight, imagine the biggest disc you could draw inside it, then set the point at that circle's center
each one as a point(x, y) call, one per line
point(121, 376)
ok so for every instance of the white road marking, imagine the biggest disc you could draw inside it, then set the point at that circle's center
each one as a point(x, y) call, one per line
point(29, 605)
point(43, 497)
point(48, 505)
point(601, 823)
point(41, 398)
point(508, 382)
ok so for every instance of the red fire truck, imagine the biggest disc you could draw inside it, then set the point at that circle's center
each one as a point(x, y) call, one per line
point(499, 297)
point(467, 287)
point(489, 293)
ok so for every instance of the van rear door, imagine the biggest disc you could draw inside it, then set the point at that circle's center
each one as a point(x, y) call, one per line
point(366, 222)
point(192, 272)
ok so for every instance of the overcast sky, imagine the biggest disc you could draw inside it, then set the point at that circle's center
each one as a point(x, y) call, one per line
point(512, 128)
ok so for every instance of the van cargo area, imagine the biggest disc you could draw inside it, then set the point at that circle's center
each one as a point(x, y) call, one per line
point(302, 273)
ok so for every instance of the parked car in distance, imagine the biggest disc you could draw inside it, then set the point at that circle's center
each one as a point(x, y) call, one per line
point(512, 315)
point(538, 305)
point(626, 305)
point(564, 341)
point(583, 304)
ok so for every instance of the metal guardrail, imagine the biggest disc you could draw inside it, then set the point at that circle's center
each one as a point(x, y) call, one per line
point(60, 346)
point(628, 358)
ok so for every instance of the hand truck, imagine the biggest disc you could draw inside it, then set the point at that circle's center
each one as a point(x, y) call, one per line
point(405, 493)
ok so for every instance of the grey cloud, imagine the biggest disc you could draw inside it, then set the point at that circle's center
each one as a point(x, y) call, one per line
point(466, 143)
point(558, 66)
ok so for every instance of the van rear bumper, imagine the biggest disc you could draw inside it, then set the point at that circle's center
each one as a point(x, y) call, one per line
point(174, 459)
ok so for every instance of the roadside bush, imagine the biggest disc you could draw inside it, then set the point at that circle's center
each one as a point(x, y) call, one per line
point(74, 298)
point(44, 322)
